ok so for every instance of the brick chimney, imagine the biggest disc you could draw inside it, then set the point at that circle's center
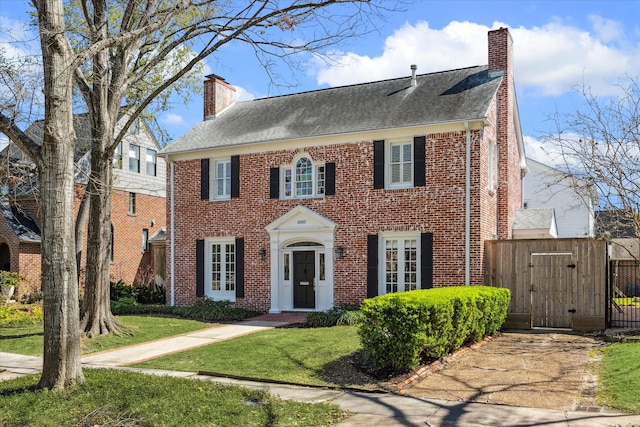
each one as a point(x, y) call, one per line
point(500, 51)
point(218, 95)
point(509, 194)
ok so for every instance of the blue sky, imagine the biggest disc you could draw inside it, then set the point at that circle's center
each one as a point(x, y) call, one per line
point(557, 45)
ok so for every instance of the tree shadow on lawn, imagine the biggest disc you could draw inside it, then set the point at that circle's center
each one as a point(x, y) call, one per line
point(350, 372)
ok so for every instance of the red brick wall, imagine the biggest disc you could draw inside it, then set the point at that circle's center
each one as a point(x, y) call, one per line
point(357, 208)
point(131, 264)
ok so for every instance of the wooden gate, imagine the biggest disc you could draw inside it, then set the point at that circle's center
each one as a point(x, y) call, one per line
point(552, 299)
point(554, 283)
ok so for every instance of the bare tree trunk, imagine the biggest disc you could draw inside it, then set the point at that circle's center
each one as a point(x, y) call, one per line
point(61, 365)
point(81, 222)
point(97, 318)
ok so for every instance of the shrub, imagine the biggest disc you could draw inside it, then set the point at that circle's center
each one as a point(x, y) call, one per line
point(346, 314)
point(142, 294)
point(204, 310)
point(401, 329)
point(12, 315)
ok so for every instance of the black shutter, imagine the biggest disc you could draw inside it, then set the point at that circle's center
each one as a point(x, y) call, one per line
point(426, 260)
point(239, 267)
point(204, 179)
point(330, 179)
point(378, 164)
point(372, 265)
point(199, 268)
point(419, 168)
point(274, 183)
point(235, 177)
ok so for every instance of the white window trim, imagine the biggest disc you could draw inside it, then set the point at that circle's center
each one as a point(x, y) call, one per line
point(400, 236)
point(387, 165)
point(314, 179)
point(213, 180)
point(221, 295)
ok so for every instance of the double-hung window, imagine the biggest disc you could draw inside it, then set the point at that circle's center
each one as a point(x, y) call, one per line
point(221, 179)
point(303, 178)
point(400, 267)
point(400, 165)
point(134, 158)
point(151, 162)
point(220, 269)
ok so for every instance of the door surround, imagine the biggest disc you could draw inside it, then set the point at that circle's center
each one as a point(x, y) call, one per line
point(300, 224)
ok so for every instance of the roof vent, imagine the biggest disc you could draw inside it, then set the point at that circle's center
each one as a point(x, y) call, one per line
point(414, 81)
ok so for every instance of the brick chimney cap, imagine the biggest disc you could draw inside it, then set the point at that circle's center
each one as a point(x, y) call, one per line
point(215, 76)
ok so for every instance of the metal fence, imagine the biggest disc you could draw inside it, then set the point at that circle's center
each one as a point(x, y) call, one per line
point(624, 294)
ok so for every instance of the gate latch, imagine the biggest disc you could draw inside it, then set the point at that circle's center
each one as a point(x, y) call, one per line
point(571, 266)
point(573, 310)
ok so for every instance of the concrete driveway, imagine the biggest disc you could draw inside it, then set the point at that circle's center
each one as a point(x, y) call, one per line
point(532, 369)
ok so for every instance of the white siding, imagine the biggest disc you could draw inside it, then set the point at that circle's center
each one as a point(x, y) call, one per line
point(545, 187)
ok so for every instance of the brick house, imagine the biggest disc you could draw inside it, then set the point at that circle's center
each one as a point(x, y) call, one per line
point(310, 200)
point(138, 205)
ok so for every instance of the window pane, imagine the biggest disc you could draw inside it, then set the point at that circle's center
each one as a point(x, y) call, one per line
point(287, 182)
point(410, 264)
point(216, 267)
point(230, 267)
point(320, 179)
point(395, 174)
point(391, 265)
point(406, 152)
point(222, 178)
point(304, 177)
point(407, 171)
point(395, 153)
point(322, 266)
point(134, 158)
point(286, 266)
point(151, 162)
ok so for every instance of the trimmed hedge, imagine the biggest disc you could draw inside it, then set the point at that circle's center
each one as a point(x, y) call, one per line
point(400, 329)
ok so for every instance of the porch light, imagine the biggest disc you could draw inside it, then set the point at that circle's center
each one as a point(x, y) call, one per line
point(339, 252)
point(263, 254)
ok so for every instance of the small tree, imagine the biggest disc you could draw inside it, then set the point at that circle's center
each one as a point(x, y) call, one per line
point(600, 145)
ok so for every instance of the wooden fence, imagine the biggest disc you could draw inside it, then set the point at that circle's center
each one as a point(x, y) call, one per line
point(554, 283)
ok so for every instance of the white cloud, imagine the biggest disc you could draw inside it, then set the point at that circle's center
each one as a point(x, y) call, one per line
point(173, 119)
point(243, 94)
point(548, 60)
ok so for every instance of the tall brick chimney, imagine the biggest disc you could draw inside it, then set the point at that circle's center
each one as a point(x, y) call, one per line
point(509, 195)
point(500, 50)
point(218, 95)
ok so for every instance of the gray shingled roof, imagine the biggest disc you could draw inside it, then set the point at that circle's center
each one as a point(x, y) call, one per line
point(528, 219)
point(444, 97)
point(22, 225)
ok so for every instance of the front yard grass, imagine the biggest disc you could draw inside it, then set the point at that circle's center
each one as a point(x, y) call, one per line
point(28, 339)
point(122, 398)
point(312, 356)
point(620, 377)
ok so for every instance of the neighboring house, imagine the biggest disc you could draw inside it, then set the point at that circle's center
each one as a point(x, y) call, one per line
point(138, 206)
point(572, 199)
point(310, 200)
point(535, 224)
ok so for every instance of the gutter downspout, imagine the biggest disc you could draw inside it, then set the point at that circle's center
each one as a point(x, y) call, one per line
point(467, 209)
point(173, 239)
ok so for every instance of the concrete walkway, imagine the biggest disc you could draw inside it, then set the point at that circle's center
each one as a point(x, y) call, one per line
point(384, 409)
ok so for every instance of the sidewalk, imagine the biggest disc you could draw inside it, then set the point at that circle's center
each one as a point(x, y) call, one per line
point(368, 408)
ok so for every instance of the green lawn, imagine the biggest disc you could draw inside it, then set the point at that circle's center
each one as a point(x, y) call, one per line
point(122, 398)
point(305, 355)
point(28, 339)
point(620, 377)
